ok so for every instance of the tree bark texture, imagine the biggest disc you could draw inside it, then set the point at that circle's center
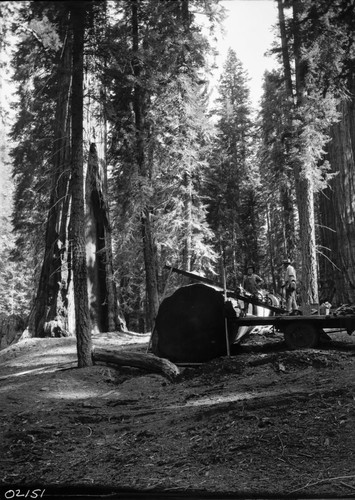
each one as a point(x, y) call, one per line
point(104, 307)
point(101, 287)
point(303, 178)
point(96, 227)
point(339, 212)
point(305, 202)
point(51, 301)
point(302, 172)
point(147, 362)
point(150, 267)
point(82, 317)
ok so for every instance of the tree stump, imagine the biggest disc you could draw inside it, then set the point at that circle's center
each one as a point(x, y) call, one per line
point(190, 325)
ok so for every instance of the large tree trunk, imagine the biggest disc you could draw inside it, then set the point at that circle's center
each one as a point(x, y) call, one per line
point(302, 172)
point(82, 318)
point(305, 202)
point(338, 206)
point(101, 285)
point(304, 181)
point(96, 224)
point(51, 303)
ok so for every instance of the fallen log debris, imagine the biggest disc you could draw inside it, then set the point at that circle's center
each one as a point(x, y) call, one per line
point(147, 361)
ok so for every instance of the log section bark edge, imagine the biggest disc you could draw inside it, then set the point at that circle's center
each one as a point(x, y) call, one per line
point(148, 362)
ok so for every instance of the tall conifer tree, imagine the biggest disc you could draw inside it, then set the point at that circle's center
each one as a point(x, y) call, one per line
point(232, 176)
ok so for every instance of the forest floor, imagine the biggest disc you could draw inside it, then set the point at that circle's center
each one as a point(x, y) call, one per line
point(264, 422)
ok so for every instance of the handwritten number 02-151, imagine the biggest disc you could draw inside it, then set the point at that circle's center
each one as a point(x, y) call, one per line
point(24, 494)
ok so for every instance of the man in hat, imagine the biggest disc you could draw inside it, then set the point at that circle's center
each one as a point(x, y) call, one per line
point(289, 285)
point(251, 282)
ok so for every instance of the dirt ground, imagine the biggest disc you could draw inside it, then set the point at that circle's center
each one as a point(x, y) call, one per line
point(265, 422)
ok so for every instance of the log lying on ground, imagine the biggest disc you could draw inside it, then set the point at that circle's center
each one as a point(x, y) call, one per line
point(147, 362)
point(190, 325)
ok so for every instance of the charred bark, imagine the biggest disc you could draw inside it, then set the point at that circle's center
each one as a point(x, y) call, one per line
point(51, 303)
point(96, 227)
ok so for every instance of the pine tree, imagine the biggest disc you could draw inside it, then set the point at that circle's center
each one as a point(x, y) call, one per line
point(233, 178)
point(311, 114)
point(278, 185)
point(154, 112)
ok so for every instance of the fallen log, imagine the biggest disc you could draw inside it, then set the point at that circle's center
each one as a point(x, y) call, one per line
point(148, 362)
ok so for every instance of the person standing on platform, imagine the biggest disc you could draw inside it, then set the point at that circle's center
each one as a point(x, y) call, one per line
point(251, 284)
point(289, 284)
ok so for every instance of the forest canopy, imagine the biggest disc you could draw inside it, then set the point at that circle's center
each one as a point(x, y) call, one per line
point(121, 162)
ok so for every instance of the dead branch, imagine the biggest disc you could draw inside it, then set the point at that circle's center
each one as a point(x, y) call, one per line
point(148, 362)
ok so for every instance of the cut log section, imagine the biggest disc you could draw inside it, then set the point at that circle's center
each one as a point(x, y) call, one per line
point(148, 362)
point(190, 325)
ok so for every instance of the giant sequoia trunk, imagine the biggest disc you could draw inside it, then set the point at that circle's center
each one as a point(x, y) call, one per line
point(96, 226)
point(302, 171)
point(101, 287)
point(338, 207)
point(51, 303)
point(103, 302)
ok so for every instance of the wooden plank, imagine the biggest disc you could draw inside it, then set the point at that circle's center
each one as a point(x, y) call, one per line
point(346, 322)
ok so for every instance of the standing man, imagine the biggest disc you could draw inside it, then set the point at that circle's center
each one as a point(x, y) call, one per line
point(290, 286)
point(251, 281)
point(251, 284)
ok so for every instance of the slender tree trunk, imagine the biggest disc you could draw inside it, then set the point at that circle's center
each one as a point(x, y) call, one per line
point(82, 318)
point(271, 248)
point(187, 252)
point(143, 169)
